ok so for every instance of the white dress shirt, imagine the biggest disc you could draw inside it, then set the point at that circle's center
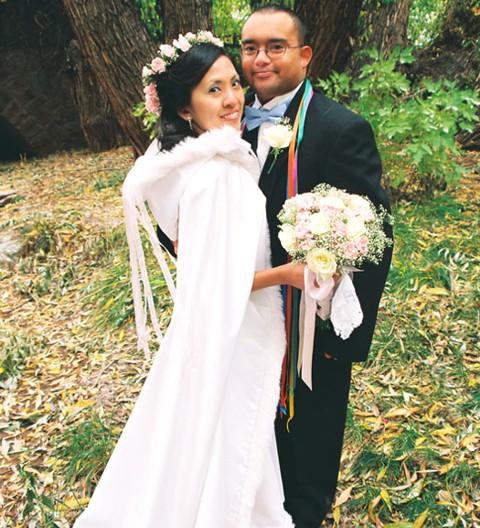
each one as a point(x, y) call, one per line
point(263, 147)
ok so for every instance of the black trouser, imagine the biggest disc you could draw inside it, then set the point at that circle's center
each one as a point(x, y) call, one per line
point(310, 453)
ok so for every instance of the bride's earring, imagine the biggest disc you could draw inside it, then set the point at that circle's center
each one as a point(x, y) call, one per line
point(189, 119)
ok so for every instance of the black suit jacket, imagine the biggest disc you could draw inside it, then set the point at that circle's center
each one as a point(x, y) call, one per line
point(338, 148)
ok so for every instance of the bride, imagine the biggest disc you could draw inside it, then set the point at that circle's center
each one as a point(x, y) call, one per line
point(198, 450)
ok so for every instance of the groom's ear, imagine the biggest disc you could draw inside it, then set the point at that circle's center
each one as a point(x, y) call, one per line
point(306, 54)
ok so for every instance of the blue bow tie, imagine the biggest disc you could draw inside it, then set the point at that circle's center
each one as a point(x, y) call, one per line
point(256, 116)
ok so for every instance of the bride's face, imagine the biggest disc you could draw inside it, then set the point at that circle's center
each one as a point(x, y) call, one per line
point(218, 99)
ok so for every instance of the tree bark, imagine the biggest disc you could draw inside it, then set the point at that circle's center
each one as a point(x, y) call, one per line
point(98, 121)
point(386, 24)
point(332, 29)
point(181, 16)
point(116, 45)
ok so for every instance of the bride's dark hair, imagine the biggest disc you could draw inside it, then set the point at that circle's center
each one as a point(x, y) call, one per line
point(174, 88)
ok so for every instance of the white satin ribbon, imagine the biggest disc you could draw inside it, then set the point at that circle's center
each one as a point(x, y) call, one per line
point(324, 298)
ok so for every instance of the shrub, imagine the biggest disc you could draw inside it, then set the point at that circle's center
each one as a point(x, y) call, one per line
point(415, 124)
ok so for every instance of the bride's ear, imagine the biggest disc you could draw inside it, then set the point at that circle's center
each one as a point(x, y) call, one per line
point(184, 113)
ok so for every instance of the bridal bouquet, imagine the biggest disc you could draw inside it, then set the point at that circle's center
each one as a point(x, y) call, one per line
point(333, 232)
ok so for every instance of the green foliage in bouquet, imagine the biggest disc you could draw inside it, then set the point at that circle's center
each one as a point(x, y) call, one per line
point(415, 124)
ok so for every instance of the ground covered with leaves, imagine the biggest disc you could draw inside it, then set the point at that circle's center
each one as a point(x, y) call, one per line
point(70, 371)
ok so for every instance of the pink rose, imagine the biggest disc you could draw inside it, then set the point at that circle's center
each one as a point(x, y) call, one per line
point(182, 43)
point(350, 250)
point(150, 90)
point(362, 245)
point(306, 244)
point(302, 216)
point(158, 65)
point(167, 50)
point(152, 105)
point(302, 230)
point(339, 229)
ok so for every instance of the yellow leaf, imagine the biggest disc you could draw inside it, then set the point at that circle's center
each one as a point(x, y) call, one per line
point(420, 441)
point(469, 440)
point(381, 473)
point(73, 503)
point(386, 498)
point(420, 520)
point(401, 411)
point(343, 497)
point(446, 468)
point(437, 291)
point(336, 515)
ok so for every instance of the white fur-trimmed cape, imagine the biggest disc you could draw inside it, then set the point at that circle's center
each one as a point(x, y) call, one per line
point(198, 450)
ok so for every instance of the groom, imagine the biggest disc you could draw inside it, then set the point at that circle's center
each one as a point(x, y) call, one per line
point(338, 148)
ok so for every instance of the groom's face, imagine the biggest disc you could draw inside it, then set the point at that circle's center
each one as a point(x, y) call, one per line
point(272, 75)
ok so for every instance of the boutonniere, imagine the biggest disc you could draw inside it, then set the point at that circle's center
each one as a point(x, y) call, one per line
point(278, 137)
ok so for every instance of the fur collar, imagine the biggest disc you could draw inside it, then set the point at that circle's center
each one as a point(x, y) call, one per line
point(222, 142)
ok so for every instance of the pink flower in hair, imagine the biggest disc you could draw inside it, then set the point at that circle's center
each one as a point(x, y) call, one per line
point(146, 71)
point(158, 65)
point(150, 90)
point(182, 43)
point(167, 50)
point(152, 104)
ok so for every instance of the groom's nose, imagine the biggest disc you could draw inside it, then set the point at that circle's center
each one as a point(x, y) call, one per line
point(262, 57)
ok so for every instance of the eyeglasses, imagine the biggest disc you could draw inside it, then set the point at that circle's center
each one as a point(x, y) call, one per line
point(274, 50)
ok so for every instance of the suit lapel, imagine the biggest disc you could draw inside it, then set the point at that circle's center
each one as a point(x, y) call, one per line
point(275, 175)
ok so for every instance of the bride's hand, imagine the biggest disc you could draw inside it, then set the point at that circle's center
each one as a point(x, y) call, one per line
point(175, 246)
point(294, 274)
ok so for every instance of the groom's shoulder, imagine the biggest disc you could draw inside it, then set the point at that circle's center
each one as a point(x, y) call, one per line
point(333, 118)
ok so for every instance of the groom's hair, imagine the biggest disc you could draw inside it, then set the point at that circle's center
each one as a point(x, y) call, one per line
point(299, 23)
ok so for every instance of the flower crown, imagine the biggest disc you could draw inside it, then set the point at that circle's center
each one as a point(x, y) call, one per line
point(168, 54)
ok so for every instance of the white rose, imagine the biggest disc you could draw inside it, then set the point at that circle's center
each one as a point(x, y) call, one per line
point(322, 263)
point(287, 237)
point(278, 136)
point(355, 227)
point(319, 224)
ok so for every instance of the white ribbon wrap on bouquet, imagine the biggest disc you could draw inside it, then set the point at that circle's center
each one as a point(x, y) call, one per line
point(339, 302)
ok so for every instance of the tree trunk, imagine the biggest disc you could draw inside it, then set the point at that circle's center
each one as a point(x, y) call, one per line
point(116, 45)
point(98, 121)
point(181, 16)
point(386, 24)
point(37, 110)
point(332, 28)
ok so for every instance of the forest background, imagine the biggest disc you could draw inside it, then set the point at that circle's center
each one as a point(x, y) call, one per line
point(69, 368)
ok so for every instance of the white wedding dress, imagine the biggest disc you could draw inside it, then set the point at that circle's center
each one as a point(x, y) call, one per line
point(198, 450)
